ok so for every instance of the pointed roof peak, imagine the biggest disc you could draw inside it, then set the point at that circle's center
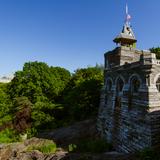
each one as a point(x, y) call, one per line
point(126, 37)
point(127, 30)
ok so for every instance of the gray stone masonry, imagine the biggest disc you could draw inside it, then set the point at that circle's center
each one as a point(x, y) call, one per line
point(129, 113)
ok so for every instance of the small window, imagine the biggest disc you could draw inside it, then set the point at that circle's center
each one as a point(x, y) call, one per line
point(158, 84)
point(120, 85)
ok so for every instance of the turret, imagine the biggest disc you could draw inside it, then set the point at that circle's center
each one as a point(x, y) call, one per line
point(126, 37)
point(125, 52)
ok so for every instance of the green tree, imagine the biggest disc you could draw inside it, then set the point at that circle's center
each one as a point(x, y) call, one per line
point(63, 76)
point(5, 105)
point(83, 93)
point(156, 50)
point(43, 86)
point(38, 80)
point(33, 81)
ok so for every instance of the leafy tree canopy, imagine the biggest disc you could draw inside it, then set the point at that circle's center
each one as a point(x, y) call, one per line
point(38, 81)
point(41, 85)
point(43, 97)
point(5, 104)
point(83, 92)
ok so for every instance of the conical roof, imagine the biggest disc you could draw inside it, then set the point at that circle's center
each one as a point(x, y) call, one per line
point(126, 37)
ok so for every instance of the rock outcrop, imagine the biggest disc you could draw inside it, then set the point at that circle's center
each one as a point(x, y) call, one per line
point(63, 136)
point(22, 151)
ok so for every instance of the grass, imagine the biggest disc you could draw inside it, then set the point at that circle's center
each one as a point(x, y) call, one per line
point(44, 148)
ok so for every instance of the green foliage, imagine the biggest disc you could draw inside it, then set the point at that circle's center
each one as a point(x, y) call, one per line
point(5, 103)
point(63, 76)
point(44, 148)
point(72, 147)
point(20, 103)
point(90, 145)
point(5, 119)
point(31, 132)
point(81, 97)
point(156, 50)
point(6, 114)
point(8, 136)
point(43, 86)
point(41, 97)
point(43, 115)
point(35, 80)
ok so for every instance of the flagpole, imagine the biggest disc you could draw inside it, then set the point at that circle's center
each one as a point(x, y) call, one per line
point(128, 17)
point(126, 9)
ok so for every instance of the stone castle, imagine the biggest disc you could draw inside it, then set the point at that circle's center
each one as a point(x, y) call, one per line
point(129, 113)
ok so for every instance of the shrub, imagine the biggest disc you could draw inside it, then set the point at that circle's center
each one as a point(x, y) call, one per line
point(72, 147)
point(5, 119)
point(8, 136)
point(31, 132)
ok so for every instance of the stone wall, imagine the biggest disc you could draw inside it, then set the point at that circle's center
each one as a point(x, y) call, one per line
point(131, 121)
point(122, 55)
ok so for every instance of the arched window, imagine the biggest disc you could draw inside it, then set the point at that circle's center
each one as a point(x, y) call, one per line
point(109, 85)
point(135, 84)
point(120, 85)
point(158, 84)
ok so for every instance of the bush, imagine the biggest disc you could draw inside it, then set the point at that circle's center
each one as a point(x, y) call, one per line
point(72, 147)
point(31, 132)
point(5, 119)
point(8, 136)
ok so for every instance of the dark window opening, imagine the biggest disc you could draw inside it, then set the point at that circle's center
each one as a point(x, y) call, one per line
point(120, 85)
point(135, 85)
point(109, 85)
point(158, 84)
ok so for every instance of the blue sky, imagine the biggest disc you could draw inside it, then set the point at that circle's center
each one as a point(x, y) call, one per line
point(70, 33)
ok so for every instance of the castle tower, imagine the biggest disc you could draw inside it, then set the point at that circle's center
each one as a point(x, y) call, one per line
point(129, 112)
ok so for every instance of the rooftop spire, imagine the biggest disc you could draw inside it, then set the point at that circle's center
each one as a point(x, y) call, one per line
point(126, 37)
